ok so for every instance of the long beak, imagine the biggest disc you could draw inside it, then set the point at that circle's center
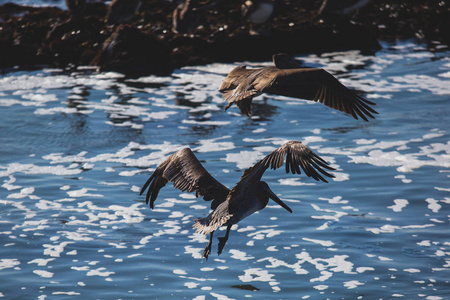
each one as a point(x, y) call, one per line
point(277, 200)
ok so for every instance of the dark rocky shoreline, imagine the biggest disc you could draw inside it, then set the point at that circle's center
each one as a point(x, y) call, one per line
point(33, 37)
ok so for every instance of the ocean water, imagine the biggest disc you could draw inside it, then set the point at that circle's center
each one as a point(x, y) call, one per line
point(57, 3)
point(77, 146)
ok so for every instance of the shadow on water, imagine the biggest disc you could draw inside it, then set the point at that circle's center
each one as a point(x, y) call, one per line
point(77, 99)
point(263, 110)
point(245, 287)
point(78, 96)
point(180, 99)
point(346, 129)
point(142, 84)
point(203, 130)
point(204, 72)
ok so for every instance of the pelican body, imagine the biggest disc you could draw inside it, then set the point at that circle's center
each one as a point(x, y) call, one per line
point(248, 196)
point(287, 78)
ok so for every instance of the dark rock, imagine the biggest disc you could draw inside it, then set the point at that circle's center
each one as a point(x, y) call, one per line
point(121, 11)
point(134, 53)
point(47, 35)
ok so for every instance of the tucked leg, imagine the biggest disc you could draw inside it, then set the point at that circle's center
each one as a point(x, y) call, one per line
point(223, 240)
point(207, 250)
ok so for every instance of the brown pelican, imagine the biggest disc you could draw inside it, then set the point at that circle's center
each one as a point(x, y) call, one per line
point(122, 10)
point(287, 78)
point(248, 196)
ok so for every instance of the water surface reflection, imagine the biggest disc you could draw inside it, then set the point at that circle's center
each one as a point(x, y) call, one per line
point(82, 144)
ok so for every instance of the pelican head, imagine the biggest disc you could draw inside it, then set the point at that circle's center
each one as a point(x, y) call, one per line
point(265, 192)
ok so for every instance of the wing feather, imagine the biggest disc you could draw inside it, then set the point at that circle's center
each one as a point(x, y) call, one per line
point(320, 86)
point(187, 174)
point(297, 156)
point(241, 85)
point(233, 78)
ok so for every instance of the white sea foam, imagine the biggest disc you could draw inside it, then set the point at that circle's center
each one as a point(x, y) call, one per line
point(244, 159)
point(240, 255)
point(99, 272)
point(364, 269)
point(43, 273)
point(32, 169)
point(433, 205)
point(294, 182)
point(256, 274)
point(352, 284)
point(83, 206)
point(55, 250)
point(392, 228)
point(320, 242)
point(399, 205)
point(8, 184)
point(215, 144)
point(42, 262)
point(6, 263)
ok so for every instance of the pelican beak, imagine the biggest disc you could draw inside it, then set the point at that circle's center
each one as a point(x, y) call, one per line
point(277, 200)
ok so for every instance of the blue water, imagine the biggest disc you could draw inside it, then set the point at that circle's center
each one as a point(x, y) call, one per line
point(77, 147)
point(57, 3)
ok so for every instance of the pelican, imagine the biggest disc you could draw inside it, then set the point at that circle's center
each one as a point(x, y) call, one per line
point(122, 11)
point(248, 196)
point(287, 78)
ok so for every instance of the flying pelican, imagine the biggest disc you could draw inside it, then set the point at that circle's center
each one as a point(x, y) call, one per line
point(288, 78)
point(248, 196)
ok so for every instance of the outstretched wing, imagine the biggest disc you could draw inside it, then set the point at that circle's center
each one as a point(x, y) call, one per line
point(234, 78)
point(239, 87)
point(297, 156)
point(320, 86)
point(187, 174)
